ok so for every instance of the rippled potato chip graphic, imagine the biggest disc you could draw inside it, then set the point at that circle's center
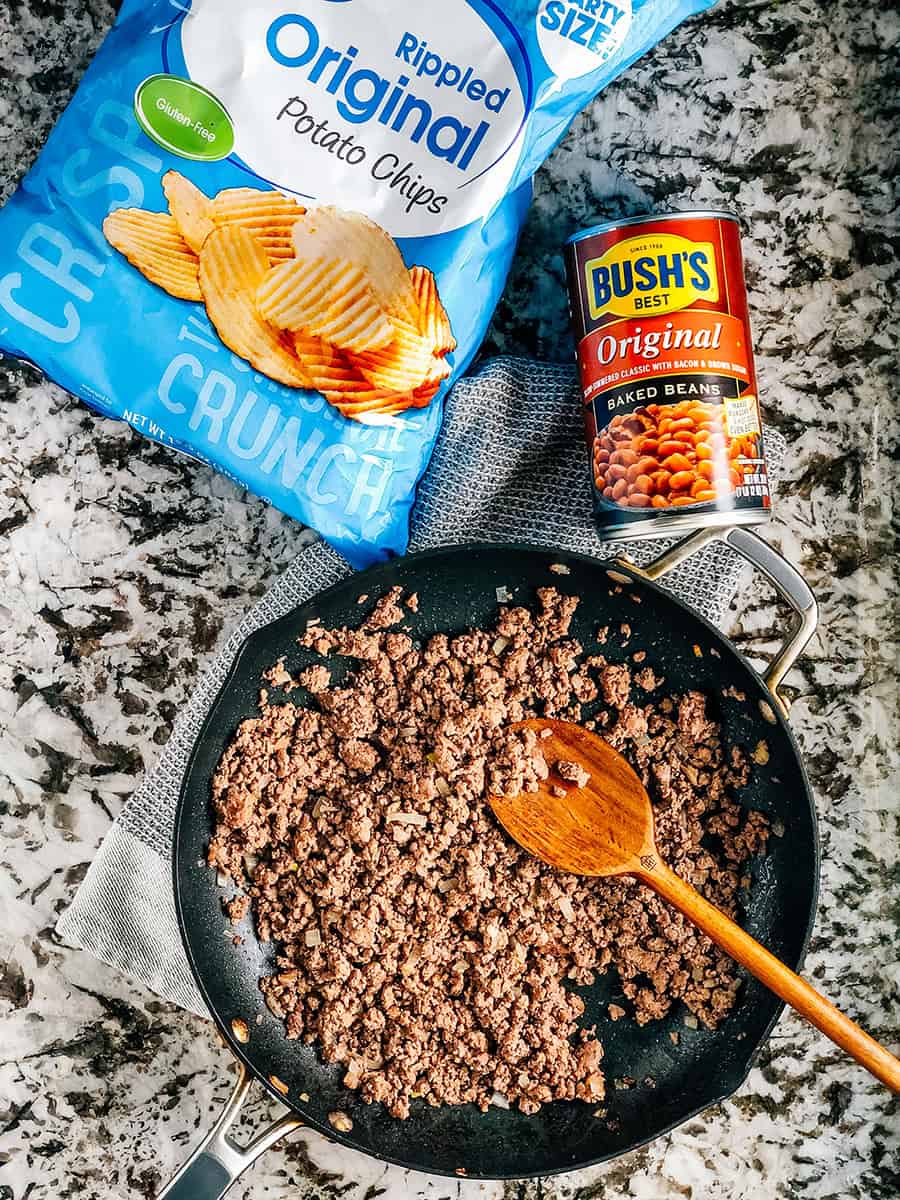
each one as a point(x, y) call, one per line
point(331, 233)
point(153, 243)
point(328, 298)
point(232, 263)
point(318, 298)
point(190, 208)
point(269, 216)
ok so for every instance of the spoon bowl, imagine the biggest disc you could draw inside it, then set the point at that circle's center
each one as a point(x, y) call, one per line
point(600, 828)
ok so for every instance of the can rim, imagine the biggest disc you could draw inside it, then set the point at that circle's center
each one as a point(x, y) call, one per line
point(664, 523)
point(623, 222)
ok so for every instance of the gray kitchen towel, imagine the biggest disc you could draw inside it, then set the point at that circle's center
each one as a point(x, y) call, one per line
point(510, 466)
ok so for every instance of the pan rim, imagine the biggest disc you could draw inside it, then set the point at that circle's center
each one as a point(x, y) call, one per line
point(555, 555)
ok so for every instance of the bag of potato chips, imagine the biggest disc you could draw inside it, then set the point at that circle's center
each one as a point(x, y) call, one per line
point(269, 233)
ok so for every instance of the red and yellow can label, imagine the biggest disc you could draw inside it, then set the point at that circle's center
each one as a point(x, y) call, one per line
point(659, 311)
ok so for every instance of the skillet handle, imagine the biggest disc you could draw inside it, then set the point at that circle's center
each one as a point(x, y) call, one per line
point(218, 1161)
point(786, 579)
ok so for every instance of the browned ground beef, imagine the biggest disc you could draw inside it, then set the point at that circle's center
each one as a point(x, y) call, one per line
point(417, 945)
point(572, 772)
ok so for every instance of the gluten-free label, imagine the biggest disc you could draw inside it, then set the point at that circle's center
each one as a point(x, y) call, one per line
point(184, 117)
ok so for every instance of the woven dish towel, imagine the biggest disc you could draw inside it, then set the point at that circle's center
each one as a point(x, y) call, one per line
point(510, 466)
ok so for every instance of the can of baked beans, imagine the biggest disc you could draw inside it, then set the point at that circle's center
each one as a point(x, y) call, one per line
point(659, 311)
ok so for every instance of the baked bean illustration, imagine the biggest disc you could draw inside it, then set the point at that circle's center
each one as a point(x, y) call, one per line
point(670, 456)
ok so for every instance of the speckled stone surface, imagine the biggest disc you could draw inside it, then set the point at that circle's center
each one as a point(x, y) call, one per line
point(121, 565)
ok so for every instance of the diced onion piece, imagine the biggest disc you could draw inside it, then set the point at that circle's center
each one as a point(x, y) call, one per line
point(499, 645)
point(565, 907)
point(502, 593)
point(407, 818)
point(442, 785)
point(760, 754)
point(411, 962)
point(312, 937)
point(499, 1100)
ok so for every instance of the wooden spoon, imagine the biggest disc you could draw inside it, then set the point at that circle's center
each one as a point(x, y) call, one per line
point(605, 827)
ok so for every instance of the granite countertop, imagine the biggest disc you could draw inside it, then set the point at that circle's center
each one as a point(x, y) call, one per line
point(122, 564)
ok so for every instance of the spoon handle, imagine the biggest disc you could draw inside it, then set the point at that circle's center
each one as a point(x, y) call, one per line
point(773, 973)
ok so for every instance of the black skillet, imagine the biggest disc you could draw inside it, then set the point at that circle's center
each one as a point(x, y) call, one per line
point(457, 587)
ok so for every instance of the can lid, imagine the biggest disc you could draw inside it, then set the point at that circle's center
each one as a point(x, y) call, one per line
point(606, 226)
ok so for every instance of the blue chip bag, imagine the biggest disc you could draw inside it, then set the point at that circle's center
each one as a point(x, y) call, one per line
point(270, 233)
